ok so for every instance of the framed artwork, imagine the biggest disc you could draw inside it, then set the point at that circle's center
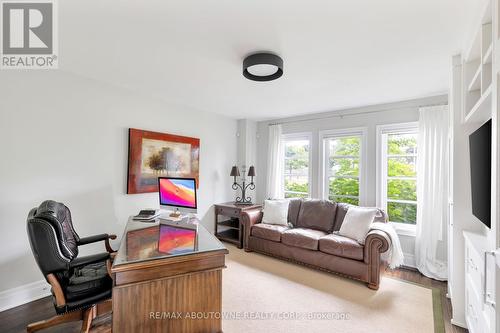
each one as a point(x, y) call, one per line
point(152, 155)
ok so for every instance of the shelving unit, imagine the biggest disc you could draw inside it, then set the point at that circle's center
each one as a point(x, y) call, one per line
point(228, 227)
point(475, 99)
point(478, 72)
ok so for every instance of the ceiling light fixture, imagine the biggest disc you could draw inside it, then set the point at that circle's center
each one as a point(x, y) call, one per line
point(262, 67)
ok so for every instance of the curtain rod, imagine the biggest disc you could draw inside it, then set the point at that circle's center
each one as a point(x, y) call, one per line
point(342, 115)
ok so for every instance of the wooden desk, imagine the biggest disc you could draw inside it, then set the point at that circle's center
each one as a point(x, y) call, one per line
point(229, 228)
point(151, 289)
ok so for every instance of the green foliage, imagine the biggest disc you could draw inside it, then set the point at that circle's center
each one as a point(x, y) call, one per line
point(296, 187)
point(351, 201)
point(344, 186)
point(401, 144)
point(402, 189)
point(297, 156)
point(344, 166)
point(401, 166)
point(297, 162)
point(400, 212)
point(345, 146)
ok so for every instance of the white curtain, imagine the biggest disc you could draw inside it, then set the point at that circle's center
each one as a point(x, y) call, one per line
point(432, 192)
point(275, 163)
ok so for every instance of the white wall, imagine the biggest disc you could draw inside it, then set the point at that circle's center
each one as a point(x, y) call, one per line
point(400, 112)
point(64, 137)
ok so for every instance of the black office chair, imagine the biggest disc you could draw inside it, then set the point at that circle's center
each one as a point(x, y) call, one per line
point(81, 286)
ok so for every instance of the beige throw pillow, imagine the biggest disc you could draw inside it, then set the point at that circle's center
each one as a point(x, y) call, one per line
point(275, 212)
point(357, 223)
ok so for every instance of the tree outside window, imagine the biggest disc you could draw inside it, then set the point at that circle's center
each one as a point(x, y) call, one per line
point(397, 173)
point(343, 156)
point(296, 168)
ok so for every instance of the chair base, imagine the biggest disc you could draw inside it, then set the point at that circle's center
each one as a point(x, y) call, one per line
point(87, 315)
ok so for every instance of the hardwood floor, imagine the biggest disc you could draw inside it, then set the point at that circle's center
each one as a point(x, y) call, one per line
point(15, 320)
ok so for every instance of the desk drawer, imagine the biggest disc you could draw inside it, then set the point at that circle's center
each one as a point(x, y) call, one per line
point(231, 212)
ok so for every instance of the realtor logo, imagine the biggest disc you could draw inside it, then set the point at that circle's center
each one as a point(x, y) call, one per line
point(28, 35)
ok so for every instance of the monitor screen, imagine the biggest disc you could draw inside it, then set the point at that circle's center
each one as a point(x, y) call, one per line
point(175, 240)
point(177, 192)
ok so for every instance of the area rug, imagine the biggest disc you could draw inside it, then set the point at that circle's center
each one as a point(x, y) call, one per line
point(264, 294)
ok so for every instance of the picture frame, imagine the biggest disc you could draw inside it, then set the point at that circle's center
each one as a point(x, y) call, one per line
point(153, 154)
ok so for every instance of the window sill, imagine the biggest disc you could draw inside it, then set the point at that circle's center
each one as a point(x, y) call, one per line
point(404, 229)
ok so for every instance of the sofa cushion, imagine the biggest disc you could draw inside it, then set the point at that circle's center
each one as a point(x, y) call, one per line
point(270, 232)
point(304, 238)
point(293, 210)
point(317, 214)
point(342, 209)
point(341, 246)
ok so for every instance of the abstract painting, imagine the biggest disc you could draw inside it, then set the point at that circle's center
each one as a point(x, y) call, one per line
point(153, 155)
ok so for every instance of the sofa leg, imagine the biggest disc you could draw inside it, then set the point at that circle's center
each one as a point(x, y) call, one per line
point(373, 286)
point(247, 250)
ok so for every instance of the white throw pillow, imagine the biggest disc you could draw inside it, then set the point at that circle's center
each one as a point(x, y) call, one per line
point(275, 212)
point(357, 223)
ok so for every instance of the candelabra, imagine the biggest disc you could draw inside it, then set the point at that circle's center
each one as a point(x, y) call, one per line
point(243, 199)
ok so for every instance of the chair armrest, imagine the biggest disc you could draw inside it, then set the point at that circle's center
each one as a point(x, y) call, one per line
point(248, 219)
point(98, 238)
point(92, 259)
point(376, 242)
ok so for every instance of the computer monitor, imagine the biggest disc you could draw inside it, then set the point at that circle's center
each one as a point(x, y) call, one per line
point(178, 194)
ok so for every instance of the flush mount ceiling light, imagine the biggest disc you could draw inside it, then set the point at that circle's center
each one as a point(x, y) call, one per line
point(262, 67)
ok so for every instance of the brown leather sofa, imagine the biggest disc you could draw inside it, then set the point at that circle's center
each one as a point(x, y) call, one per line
point(310, 241)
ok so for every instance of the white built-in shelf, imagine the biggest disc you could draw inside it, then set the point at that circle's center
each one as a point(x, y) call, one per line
point(475, 83)
point(481, 111)
point(487, 55)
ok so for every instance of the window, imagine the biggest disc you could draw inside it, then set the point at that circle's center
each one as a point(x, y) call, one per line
point(398, 171)
point(296, 167)
point(342, 176)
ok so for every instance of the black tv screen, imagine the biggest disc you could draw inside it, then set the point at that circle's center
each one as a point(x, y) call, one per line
point(480, 172)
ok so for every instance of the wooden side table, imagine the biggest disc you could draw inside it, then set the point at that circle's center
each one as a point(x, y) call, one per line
point(227, 221)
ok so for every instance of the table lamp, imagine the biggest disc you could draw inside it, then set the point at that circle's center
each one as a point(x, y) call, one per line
point(243, 199)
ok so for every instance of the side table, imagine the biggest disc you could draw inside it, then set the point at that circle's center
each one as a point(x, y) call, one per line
point(227, 221)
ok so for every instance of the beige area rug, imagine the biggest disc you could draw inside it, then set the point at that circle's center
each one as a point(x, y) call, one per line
point(262, 294)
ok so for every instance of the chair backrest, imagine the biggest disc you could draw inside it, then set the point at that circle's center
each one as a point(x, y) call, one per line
point(52, 237)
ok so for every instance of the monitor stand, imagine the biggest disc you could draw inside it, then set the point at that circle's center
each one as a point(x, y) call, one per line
point(176, 213)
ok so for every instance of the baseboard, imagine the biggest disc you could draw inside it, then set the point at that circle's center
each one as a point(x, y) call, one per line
point(409, 260)
point(23, 294)
point(457, 323)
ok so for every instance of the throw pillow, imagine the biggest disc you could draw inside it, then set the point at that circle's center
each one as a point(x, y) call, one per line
point(357, 223)
point(275, 212)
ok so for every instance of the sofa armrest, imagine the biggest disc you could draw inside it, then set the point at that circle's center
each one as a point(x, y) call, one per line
point(248, 219)
point(376, 242)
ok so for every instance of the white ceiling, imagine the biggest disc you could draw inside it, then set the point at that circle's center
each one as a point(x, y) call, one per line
point(337, 54)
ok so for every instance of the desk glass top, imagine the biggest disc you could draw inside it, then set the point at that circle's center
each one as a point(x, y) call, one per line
point(143, 241)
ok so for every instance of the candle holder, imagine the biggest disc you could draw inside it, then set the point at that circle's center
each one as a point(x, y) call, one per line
point(243, 199)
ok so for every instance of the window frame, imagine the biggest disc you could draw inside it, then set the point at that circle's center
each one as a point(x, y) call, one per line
point(295, 137)
point(382, 177)
point(323, 180)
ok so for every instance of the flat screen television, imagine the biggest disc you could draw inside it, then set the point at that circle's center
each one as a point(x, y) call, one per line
point(480, 172)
